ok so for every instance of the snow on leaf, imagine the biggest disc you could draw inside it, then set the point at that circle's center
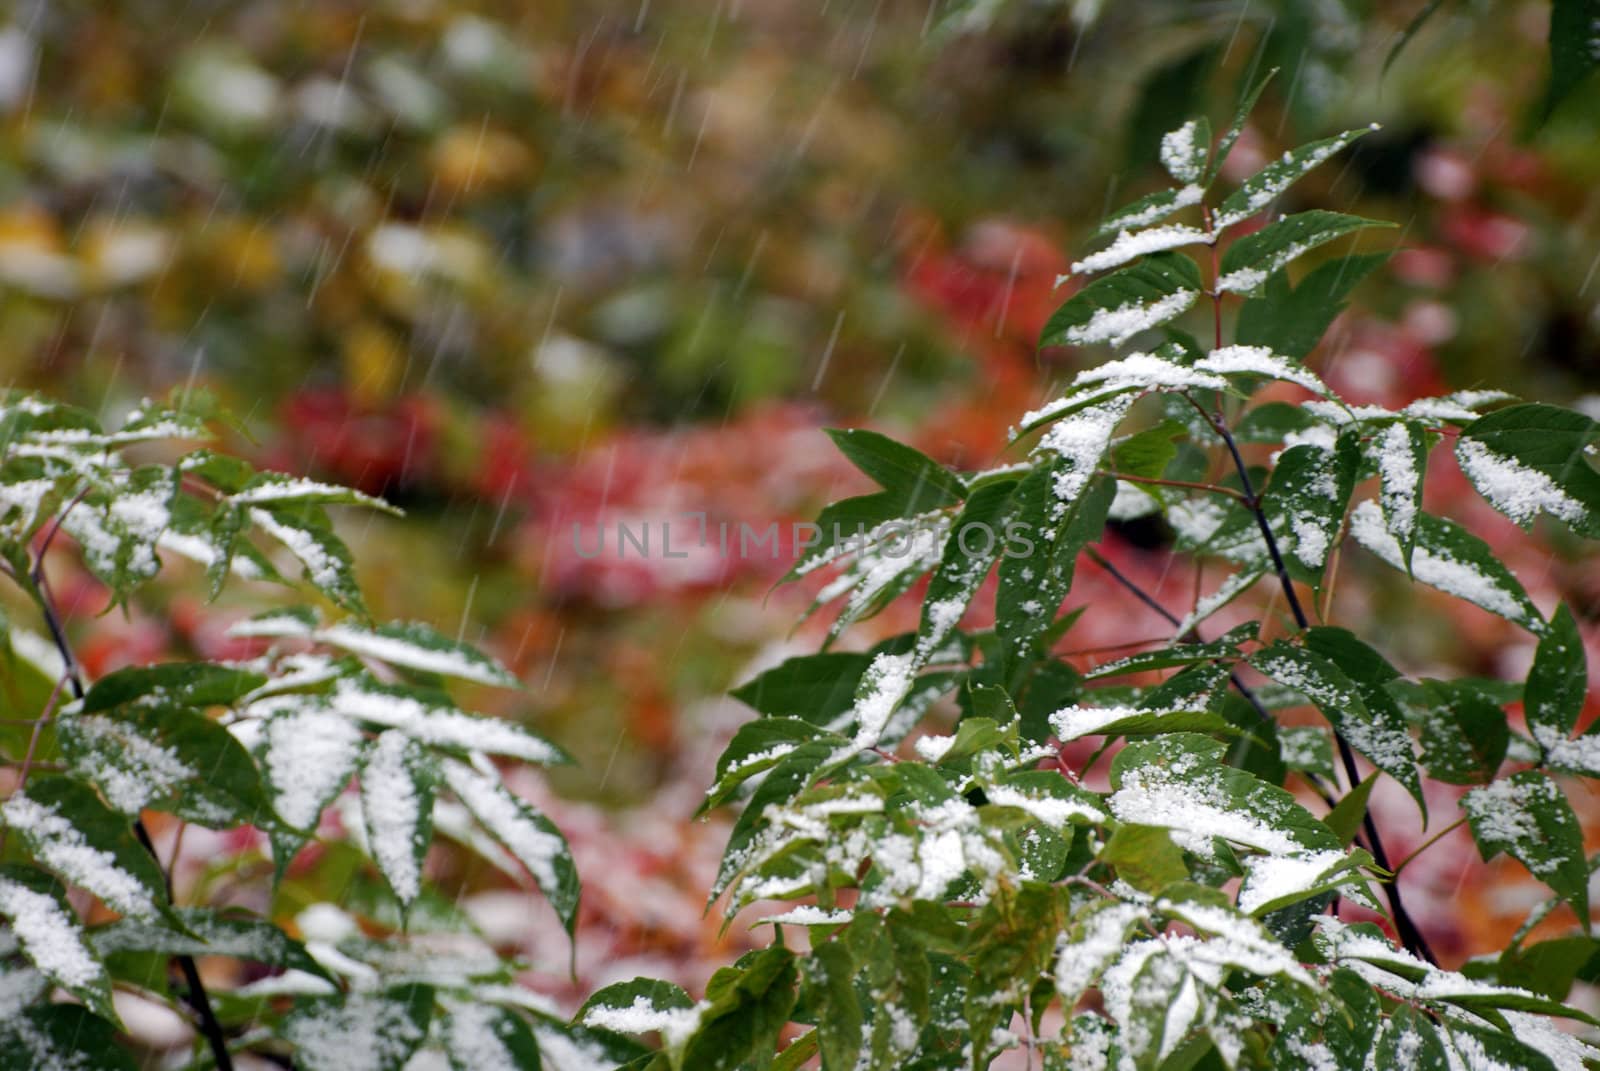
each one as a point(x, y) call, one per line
point(51, 938)
point(69, 831)
point(1515, 489)
point(1261, 189)
point(359, 1032)
point(1080, 441)
point(417, 646)
point(396, 806)
point(309, 753)
point(437, 725)
point(272, 488)
point(1131, 244)
point(1451, 559)
point(1184, 150)
point(528, 835)
point(1260, 361)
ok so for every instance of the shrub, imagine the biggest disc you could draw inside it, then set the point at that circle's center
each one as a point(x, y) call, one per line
point(969, 894)
point(972, 895)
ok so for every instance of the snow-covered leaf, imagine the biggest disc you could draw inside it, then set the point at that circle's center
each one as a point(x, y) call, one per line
point(397, 780)
point(166, 756)
point(208, 933)
point(36, 911)
point(530, 837)
point(1448, 557)
point(1310, 488)
point(277, 490)
point(324, 559)
point(1034, 582)
point(1530, 459)
point(1179, 782)
point(308, 753)
point(360, 1032)
point(481, 1037)
point(61, 1037)
point(1132, 244)
point(1114, 309)
point(1527, 817)
point(414, 645)
point(1402, 454)
point(429, 719)
point(1262, 188)
point(1253, 259)
point(1558, 684)
point(1184, 150)
point(755, 748)
point(70, 832)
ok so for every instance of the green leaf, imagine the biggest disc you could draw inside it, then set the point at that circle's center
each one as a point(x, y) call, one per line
point(1149, 452)
point(1306, 748)
point(69, 831)
point(748, 1009)
point(1179, 782)
point(52, 937)
point(206, 933)
point(1492, 1049)
point(325, 560)
point(385, 1028)
point(1574, 50)
point(1347, 815)
point(1402, 458)
point(397, 788)
point(975, 542)
point(791, 776)
point(1527, 817)
point(1292, 321)
point(755, 748)
point(817, 688)
point(1179, 654)
point(1144, 857)
point(1464, 734)
point(1309, 489)
point(830, 973)
point(167, 757)
point(1262, 188)
point(1253, 259)
point(1033, 584)
point(1530, 459)
point(62, 1037)
point(911, 477)
point(1409, 1040)
point(194, 684)
point(1115, 308)
point(1378, 727)
point(1241, 116)
point(414, 645)
point(531, 838)
point(1448, 557)
point(275, 490)
point(841, 526)
point(479, 1036)
point(1558, 682)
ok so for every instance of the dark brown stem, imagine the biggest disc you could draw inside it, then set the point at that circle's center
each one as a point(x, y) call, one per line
point(1158, 481)
point(1405, 927)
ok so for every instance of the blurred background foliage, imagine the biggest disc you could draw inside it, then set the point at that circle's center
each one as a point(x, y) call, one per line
point(518, 266)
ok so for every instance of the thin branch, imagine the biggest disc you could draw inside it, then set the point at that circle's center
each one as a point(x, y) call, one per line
point(33, 743)
point(1160, 482)
point(1405, 927)
point(1430, 842)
